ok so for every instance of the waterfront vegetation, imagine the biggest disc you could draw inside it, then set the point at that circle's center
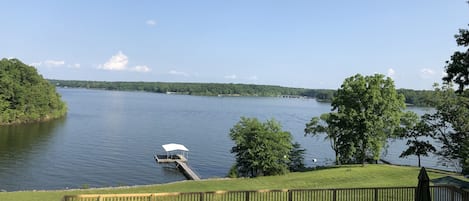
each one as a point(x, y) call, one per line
point(412, 97)
point(198, 89)
point(261, 148)
point(366, 112)
point(350, 176)
point(25, 96)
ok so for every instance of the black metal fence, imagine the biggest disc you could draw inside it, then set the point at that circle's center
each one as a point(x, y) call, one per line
point(439, 193)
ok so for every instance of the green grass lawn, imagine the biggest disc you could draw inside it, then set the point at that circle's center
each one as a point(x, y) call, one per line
point(341, 177)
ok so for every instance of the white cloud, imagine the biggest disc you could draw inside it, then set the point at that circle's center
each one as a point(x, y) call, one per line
point(117, 62)
point(36, 64)
point(232, 77)
point(151, 22)
point(142, 69)
point(426, 73)
point(174, 72)
point(53, 63)
point(48, 63)
point(391, 72)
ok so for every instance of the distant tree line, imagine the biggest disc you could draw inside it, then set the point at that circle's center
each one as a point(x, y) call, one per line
point(421, 98)
point(199, 89)
point(412, 97)
point(25, 96)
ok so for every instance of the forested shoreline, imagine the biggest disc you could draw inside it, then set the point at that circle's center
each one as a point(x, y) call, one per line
point(25, 96)
point(412, 97)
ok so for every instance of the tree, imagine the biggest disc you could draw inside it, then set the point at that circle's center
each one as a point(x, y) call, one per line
point(414, 129)
point(260, 148)
point(325, 125)
point(457, 68)
point(368, 112)
point(450, 120)
point(451, 127)
point(297, 160)
point(25, 96)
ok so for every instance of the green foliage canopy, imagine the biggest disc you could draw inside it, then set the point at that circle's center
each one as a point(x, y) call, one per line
point(457, 68)
point(451, 127)
point(25, 96)
point(368, 112)
point(415, 130)
point(261, 148)
point(297, 160)
point(325, 125)
point(450, 120)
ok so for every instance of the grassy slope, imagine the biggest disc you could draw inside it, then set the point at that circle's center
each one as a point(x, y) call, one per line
point(343, 177)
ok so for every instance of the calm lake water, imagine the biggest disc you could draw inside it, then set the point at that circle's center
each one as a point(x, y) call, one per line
point(108, 138)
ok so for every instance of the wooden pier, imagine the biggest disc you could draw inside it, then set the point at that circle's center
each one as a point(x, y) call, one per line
point(180, 160)
point(186, 170)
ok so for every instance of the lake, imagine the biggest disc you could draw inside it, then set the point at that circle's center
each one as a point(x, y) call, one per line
point(108, 138)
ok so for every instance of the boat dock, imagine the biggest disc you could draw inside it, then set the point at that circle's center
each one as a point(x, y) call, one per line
point(170, 158)
point(179, 159)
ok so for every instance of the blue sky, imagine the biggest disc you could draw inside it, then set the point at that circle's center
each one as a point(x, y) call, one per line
point(311, 44)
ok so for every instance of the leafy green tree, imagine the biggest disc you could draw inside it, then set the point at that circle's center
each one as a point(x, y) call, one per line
point(25, 96)
point(414, 130)
point(368, 112)
point(261, 148)
point(297, 160)
point(457, 68)
point(450, 120)
point(325, 124)
point(451, 127)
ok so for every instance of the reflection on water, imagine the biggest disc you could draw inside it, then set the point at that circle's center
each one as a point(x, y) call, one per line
point(21, 146)
point(21, 138)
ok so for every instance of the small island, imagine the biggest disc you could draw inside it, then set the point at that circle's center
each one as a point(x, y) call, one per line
point(25, 96)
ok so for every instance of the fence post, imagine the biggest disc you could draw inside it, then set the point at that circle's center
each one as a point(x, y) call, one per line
point(152, 197)
point(201, 196)
point(247, 195)
point(334, 194)
point(290, 195)
point(376, 194)
point(452, 193)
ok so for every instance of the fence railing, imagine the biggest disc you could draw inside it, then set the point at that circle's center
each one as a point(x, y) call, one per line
point(438, 193)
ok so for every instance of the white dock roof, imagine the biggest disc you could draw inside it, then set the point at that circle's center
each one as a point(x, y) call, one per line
point(174, 147)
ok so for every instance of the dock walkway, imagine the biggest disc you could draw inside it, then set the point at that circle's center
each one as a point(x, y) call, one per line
point(187, 170)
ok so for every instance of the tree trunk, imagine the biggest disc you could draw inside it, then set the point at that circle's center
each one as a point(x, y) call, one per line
point(363, 146)
point(337, 161)
point(418, 156)
point(363, 155)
